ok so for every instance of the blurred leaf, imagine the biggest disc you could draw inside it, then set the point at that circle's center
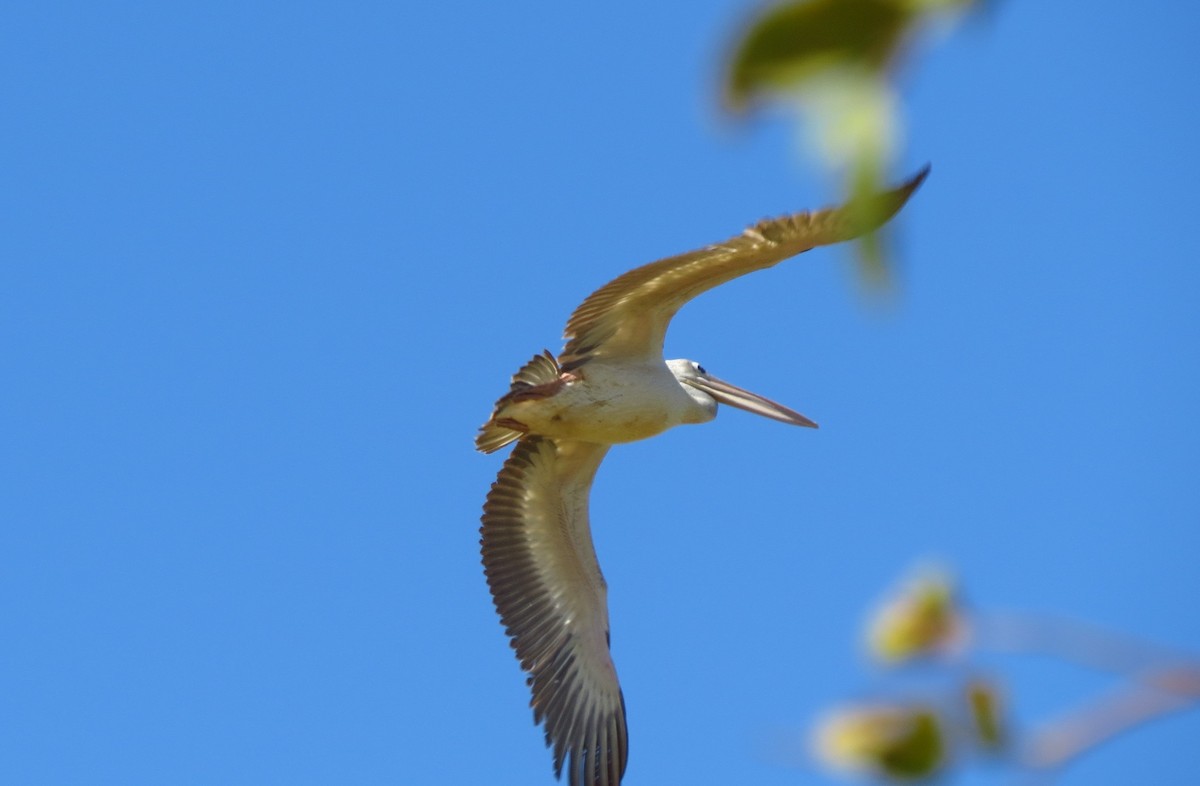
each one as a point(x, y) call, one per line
point(919, 753)
point(984, 706)
point(833, 61)
point(867, 179)
point(854, 126)
point(894, 741)
point(794, 41)
point(922, 619)
point(946, 5)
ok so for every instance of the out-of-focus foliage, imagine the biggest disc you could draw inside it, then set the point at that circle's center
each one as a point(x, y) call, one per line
point(986, 713)
point(959, 714)
point(922, 619)
point(835, 61)
point(898, 741)
point(794, 42)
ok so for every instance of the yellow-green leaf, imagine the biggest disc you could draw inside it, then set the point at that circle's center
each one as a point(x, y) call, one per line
point(897, 741)
point(986, 711)
point(793, 41)
point(922, 619)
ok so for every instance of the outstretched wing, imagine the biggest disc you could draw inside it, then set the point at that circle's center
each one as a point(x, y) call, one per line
point(628, 316)
point(552, 599)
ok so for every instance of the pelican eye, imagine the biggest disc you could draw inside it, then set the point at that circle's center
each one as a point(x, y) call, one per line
point(700, 368)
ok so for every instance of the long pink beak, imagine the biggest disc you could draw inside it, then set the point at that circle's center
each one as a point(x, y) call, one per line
point(734, 396)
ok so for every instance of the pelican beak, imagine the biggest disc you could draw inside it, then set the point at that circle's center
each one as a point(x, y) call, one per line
point(734, 396)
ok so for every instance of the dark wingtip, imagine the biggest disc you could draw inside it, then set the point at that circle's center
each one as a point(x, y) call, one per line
point(890, 202)
point(868, 213)
point(914, 182)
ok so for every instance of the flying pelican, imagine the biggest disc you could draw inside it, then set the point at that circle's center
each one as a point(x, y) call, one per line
point(610, 385)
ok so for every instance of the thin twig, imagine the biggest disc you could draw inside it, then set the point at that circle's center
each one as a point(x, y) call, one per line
point(1074, 734)
point(1089, 646)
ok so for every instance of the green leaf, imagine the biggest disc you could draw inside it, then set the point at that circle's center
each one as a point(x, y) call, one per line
point(924, 618)
point(867, 179)
point(985, 708)
point(901, 742)
point(918, 754)
point(794, 41)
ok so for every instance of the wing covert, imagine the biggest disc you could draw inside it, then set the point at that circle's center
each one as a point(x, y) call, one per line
point(628, 317)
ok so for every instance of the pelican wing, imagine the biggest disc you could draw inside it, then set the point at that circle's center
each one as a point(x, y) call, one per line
point(552, 599)
point(628, 316)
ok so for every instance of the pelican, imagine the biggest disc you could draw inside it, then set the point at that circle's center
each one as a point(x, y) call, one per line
point(610, 385)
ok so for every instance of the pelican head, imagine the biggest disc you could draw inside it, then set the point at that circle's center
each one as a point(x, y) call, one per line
point(706, 390)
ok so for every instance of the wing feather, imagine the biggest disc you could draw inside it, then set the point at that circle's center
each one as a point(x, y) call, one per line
point(539, 377)
point(546, 583)
point(628, 316)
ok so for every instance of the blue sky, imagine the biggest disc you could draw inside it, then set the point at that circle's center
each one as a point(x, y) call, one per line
point(266, 267)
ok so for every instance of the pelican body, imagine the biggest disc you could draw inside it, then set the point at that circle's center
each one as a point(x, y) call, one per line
point(608, 403)
point(611, 385)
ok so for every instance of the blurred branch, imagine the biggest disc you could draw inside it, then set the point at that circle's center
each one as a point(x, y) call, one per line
point(1082, 730)
point(1161, 681)
point(1083, 644)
